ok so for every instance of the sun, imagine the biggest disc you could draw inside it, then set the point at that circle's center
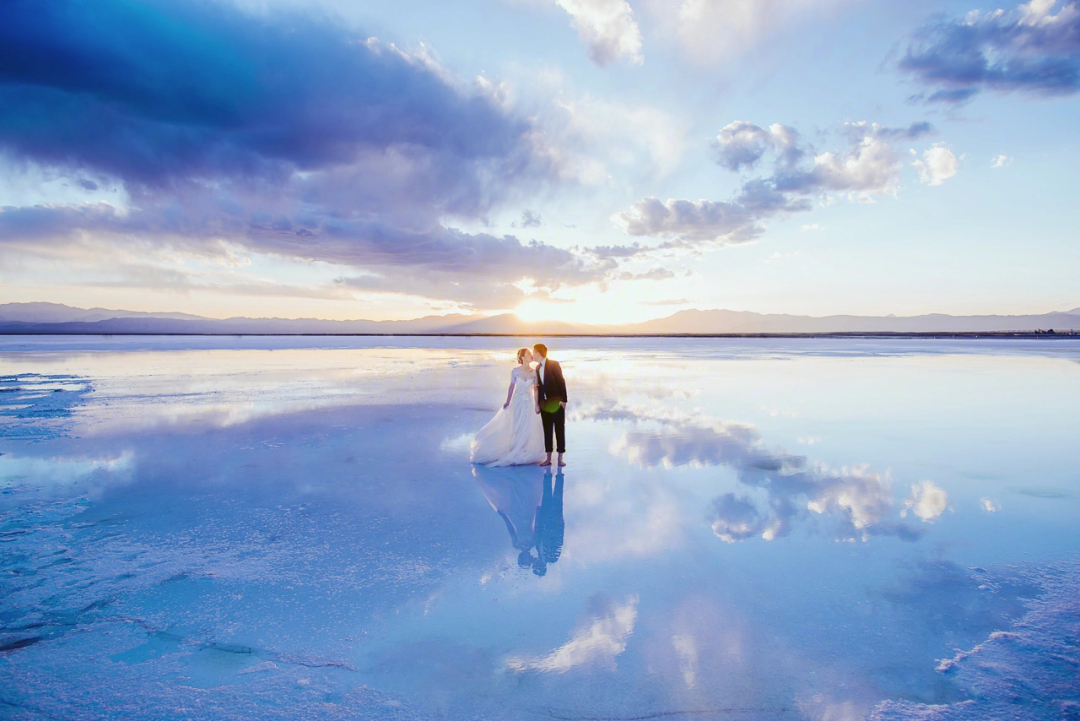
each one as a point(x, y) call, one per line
point(531, 311)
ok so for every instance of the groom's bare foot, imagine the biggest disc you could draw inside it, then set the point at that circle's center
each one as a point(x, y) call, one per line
point(547, 461)
point(561, 461)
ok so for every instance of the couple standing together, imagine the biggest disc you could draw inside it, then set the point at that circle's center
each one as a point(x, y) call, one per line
point(535, 410)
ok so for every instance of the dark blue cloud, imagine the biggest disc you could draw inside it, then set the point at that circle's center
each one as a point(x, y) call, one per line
point(288, 134)
point(954, 95)
point(159, 92)
point(1031, 50)
point(915, 131)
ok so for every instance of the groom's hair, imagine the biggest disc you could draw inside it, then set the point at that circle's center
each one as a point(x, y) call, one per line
point(541, 349)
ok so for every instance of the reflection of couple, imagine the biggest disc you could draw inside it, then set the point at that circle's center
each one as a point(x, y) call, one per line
point(516, 436)
point(532, 509)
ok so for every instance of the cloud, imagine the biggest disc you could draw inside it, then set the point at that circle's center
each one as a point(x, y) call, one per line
point(1001, 161)
point(989, 506)
point(688, 221)
point(872, 166)
point(955, 96)
point(599, 638)
point(283, 133)
point(937, 165)
point(606, 252)
point(164, 94)
point(429, 262)
point(653, 274)
point(529, 219)
point(926, 501)
point(783, 487)
point(1030, 50)
point(869, 167)
point(742, 144)
point(861, 129)
point(492, 263)
point(608, 29)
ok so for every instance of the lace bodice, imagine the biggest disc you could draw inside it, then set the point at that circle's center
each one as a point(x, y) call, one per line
point(525, 377)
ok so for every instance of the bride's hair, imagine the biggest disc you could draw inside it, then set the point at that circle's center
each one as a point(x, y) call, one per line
point(521, 354)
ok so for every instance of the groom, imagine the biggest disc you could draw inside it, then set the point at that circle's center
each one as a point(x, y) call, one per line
point(551, 402)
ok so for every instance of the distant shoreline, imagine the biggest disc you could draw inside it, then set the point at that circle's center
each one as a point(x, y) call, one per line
point(52, 319)
point(1019, 335)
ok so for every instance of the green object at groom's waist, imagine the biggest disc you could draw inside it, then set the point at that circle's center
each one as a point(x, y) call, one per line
point(550, 405)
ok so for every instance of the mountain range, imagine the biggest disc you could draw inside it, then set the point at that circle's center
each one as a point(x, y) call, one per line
point(54, 318)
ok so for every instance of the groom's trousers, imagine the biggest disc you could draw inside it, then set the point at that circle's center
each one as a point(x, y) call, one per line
point(554, 422)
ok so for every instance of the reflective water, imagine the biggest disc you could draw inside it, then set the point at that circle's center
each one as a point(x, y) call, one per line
point(290, 528)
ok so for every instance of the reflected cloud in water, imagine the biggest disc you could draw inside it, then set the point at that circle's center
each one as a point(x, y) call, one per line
point(23, 477)
point(599, 637)
point(530, 502)
point(780, 487)
point(926, 501)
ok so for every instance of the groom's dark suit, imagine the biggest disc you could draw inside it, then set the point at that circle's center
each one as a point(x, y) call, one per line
point(551, 388)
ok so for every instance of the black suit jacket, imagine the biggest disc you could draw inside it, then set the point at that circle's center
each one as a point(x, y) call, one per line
point(552, 386)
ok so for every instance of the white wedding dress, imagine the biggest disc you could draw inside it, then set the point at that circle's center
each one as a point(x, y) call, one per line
point(515, 436)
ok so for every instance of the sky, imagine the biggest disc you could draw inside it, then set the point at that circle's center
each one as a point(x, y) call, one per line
point(600, 161)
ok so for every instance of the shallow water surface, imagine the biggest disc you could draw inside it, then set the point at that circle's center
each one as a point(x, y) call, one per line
point(774, 529)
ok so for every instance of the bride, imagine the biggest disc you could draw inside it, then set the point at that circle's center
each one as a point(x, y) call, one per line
point(515, 436)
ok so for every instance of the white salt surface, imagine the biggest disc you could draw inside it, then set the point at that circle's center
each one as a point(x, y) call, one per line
point(290, 528)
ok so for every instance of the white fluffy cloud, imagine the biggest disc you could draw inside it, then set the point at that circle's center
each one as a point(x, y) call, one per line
point(937, 165)
point(872, 168)
point(607, 27)
point(1001, 161)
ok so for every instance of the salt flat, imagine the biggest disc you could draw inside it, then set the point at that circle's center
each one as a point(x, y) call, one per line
point(291, 528)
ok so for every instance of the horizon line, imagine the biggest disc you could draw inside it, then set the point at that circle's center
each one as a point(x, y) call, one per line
point(481, 316)
point(1019, 334)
